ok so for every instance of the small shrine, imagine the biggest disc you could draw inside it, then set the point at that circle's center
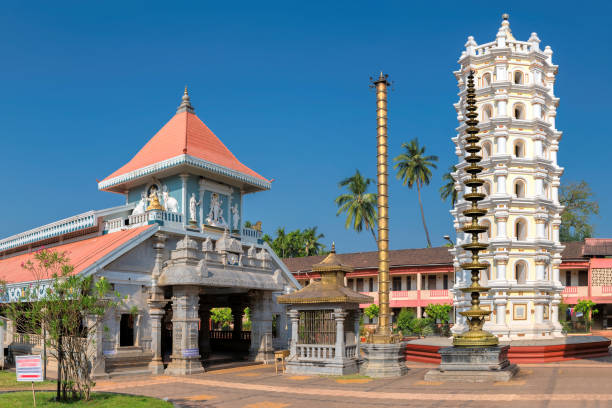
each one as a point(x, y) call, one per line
point(325, 322)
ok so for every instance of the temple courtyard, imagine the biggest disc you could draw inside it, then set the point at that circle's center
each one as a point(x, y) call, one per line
point(584, 383)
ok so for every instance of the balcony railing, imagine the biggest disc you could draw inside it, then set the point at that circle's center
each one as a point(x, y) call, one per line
point(251, 235)
point(316, 352)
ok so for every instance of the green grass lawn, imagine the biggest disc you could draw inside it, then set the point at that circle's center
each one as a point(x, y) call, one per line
point(23, 399)
point(8, 382)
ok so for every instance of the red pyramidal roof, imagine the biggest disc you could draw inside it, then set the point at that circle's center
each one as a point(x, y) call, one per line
point(184, 134)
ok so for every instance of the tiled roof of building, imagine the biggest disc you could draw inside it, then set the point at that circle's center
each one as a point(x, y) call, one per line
point(184, 134)
point(573, 250)
point(365, 260)
point(81, 254)
point(597, 246)
point(415, 257)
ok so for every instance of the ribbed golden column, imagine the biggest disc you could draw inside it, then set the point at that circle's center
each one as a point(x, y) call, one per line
point(475, 336)
point(383, 331)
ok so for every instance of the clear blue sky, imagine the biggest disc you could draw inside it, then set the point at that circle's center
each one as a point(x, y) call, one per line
point(284, 85)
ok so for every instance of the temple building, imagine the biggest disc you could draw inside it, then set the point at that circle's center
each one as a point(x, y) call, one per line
point(177, 248)
point(517, 110)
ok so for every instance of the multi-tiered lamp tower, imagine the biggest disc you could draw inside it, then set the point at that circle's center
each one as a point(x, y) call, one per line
point(516, 109)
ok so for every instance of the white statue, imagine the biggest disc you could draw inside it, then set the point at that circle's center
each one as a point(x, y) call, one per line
point(170, 203)
point(215, 216)
point(235, 215)
point(193, 204)
point(141, 207)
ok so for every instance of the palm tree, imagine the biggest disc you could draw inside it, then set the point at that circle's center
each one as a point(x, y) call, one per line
point(413, 167)
point(280, 243)
point(448, 188)
point(311, 241)
point(358, 204)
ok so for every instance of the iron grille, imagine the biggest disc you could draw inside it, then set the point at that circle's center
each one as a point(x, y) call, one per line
point(317, 327)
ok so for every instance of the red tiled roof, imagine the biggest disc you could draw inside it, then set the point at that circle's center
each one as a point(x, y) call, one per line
point(409, 257)
point(364, 260)
point(82, 254)
point(573, 250)
point(597, 246)
point(185, 133)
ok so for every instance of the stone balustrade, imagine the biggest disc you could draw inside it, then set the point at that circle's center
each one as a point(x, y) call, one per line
point(315, 352)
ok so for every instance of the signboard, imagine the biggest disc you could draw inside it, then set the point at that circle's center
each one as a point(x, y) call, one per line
point(29, 368)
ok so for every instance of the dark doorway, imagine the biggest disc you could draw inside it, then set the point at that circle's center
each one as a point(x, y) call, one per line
point(166, 334)
point(431, 282)
point(126, 330)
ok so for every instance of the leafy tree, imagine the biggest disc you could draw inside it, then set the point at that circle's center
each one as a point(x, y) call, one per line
point(421, 327)
point(414, 168)
point(587, 308)
point(221, 316)
point(579, 203)
point(70, 308)
point(296, 243)
point(404, 319)
point(311, 241)
point(438, 313)
point(448, 188)
point(372, 311)
point(358, 204)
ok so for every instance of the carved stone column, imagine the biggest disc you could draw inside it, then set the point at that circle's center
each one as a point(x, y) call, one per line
point(185, 319)
point(94, 341)
point(339, 316)
point(261, 327)
point(294, 317)
point(156, 313)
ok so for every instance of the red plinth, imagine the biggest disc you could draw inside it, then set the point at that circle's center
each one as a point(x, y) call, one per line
point(571, 348)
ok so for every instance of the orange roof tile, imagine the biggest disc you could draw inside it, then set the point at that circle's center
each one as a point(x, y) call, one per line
point(82, 254)
point(185, 133)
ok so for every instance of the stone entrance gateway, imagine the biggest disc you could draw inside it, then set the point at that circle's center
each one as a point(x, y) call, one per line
point(192, 288)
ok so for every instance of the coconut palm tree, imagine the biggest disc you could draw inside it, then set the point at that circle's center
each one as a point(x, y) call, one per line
point(358, 204)
point(448, 188)
point(311, 241)
point(414, 168)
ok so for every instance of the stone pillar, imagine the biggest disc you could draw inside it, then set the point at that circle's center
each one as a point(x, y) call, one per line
point(185, 351)
point(294, 317)
point(204, 333)
point(184, 178)
point(357, 335)
point(500, 312)
point(156, 313)
point(261, 327)
point(201, 198)
point(339, 316)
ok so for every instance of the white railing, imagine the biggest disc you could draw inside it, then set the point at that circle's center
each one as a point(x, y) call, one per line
point(114, 225)
point(318, 352)
point(521, 47)
point(137, 219)
point(75, 223)
point(26, 338)
point(250, 234)
point(350, 351)
point(172, 217)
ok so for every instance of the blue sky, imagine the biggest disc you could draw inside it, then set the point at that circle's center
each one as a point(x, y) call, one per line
point(285, 86)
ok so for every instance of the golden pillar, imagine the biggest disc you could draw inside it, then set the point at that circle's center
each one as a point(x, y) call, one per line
point(383, 331)
point(475, 336)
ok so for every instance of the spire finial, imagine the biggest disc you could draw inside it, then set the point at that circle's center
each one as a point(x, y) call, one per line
point(505, 16)
point(185, 105)
point(333, 250)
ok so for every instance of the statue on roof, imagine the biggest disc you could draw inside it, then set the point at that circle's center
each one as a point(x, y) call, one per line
point(141, 207)
point(235, 216)
point(170, 203)
point(215, 215)
point(193, 207)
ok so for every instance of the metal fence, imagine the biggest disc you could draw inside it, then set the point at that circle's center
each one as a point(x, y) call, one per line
point(317, 327)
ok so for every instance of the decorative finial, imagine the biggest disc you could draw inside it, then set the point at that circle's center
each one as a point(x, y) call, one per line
point(333, 250)
point(505, 16)
point(185, 105)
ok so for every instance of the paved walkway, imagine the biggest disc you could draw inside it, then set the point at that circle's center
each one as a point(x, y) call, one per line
point(581, 383)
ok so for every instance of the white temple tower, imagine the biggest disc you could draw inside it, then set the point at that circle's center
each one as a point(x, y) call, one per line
point(517, 109)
